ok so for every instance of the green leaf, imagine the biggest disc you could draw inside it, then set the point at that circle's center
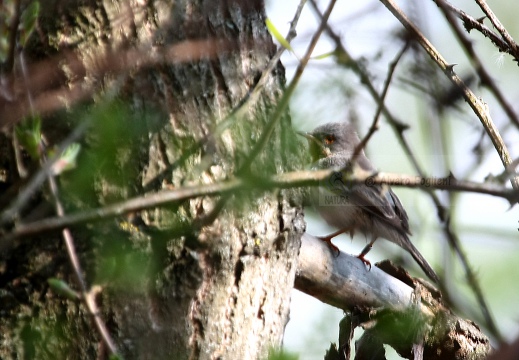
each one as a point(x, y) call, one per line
point(62, 288)
point(277, 35)
point(67, 160)
point(325, 55)
point(28, 133)
point(279, 354)
point(28, 21)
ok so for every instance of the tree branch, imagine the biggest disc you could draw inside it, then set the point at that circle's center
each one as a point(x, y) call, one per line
point(287, 94)
point(477, 105)
point(287, 180)
point(500, 28)
point(483, 74)
point(470, 23)
point(344, 281)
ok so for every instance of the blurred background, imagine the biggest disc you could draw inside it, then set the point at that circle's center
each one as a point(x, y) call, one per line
point(444, 135)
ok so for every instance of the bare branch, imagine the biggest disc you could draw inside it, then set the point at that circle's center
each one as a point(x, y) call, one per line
point(287, 180)
point(287, 94)
point(13, 33)
point(344, 281)
point(374, 124)
point(88, 296)
point(471, 23)
point(39, 178)
point(500, 28)
point(477, 105)
point(483, 74)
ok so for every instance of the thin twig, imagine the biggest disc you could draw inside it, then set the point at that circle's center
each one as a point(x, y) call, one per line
point(254, 95)
point(240, 110)
point(13, 33)
point(500, 28)
point(67, 236)
point(39, 178)
point(287, 180)
point(470, 23)
point(483, 74)
point(88, 297)
point(347, 60)
point(287, 94)
point(482, 112)
point(45, 73)
point(376, 118)
point(477, 105)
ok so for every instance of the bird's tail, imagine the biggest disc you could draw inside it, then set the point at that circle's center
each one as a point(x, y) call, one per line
point(427, 269)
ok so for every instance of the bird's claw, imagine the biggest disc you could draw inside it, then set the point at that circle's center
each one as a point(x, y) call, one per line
point(328, 240)
point(365, 261)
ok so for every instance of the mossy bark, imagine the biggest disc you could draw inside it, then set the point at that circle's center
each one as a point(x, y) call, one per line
point(186, 280)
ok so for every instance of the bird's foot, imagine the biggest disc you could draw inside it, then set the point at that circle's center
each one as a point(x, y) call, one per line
point(364, 260)
point(328, 240)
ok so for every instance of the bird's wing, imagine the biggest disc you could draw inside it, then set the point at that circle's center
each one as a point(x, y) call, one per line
point(379, 201)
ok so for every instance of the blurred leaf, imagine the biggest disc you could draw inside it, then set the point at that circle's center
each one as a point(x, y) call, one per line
point(108, 162)
point(325, 55)
point(28, 133)
point(122, 265)
point(277, 354)
point(60, 287)
point(28, 21)
point(67, 160)
point(277, 35)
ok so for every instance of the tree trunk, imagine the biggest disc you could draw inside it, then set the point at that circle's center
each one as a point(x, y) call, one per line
point(209, 278)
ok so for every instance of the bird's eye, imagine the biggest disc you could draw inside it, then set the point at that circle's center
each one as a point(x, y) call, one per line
point(329, 139)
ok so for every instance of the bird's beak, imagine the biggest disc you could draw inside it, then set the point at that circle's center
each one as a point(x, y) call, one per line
point(308, 136)
point(317, 148)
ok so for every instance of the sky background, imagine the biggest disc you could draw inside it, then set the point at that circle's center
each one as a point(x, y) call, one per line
point(487, 227)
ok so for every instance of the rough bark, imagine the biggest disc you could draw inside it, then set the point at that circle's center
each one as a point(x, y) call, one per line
point(202, 289)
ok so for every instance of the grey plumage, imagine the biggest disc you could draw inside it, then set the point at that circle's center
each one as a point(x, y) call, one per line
point(373, 210)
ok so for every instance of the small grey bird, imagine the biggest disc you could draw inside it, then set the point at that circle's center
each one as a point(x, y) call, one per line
point(373, 210)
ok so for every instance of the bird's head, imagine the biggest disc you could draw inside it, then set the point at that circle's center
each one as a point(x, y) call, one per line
point(332, 139)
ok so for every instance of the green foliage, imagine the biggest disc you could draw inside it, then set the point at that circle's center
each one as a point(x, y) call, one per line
point(67, 160)
point(108, 165)
point(28, 21)
point(28, 133)
point(6, 13)
point(279, 354)
point(122, 264)
point(62, 288)
point(277, 35)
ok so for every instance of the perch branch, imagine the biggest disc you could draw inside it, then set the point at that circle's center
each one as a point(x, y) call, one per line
point(287, 180)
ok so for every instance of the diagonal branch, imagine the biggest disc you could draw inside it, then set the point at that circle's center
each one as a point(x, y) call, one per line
point(374, 124)
point(470, 23)
point(483, 74)
point(477, 105)
point(287, 94)
point(343, 281)
point(500, 28)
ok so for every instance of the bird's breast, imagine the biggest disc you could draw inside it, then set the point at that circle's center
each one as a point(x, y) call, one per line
point(337, 210)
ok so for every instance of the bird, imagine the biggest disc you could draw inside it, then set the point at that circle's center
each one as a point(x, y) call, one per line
point(371, 209)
